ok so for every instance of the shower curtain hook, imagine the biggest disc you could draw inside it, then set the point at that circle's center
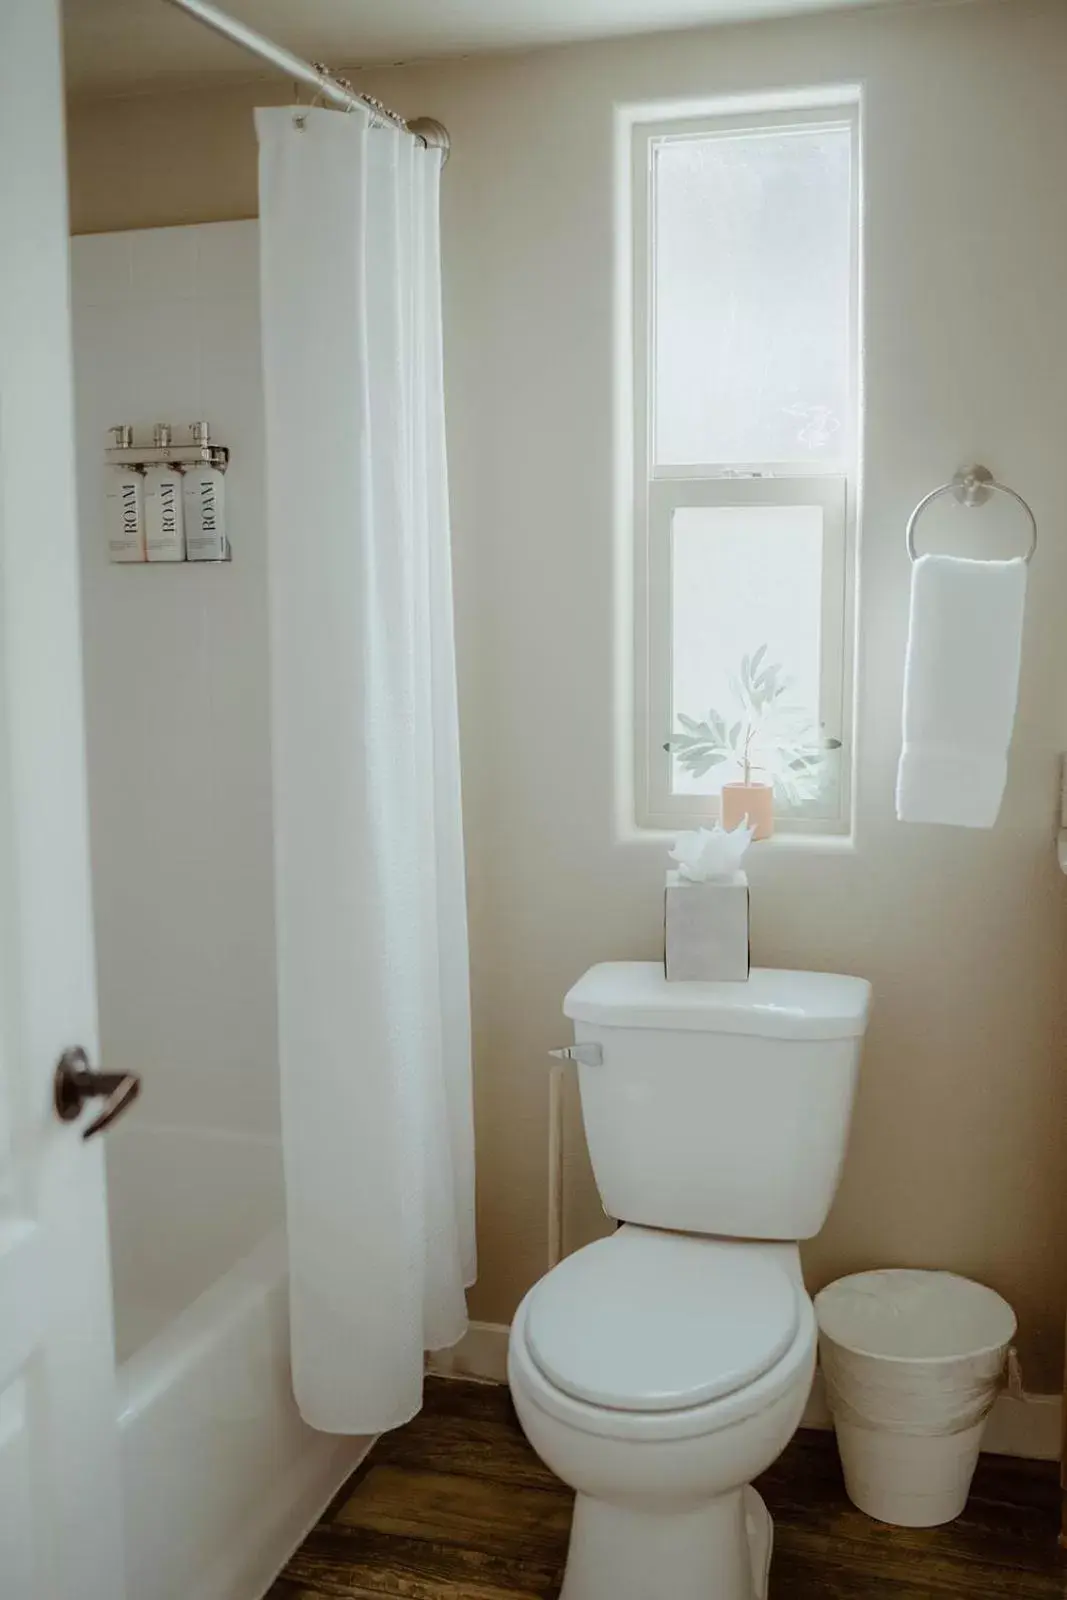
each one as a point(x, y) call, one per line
point(300, 120)
point(346, 84)
point(319, 98)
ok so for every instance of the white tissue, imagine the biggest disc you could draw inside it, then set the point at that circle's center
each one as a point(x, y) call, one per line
point(708, 855)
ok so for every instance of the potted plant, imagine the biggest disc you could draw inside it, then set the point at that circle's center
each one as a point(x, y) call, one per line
point(768, 736)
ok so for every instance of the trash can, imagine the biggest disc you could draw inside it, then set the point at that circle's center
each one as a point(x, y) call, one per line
point(913, 1362)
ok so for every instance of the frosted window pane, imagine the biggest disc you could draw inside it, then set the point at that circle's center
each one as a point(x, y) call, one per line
point(745, 578)
point(752, 285)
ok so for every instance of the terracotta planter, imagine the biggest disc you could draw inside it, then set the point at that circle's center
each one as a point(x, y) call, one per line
point(752, 800)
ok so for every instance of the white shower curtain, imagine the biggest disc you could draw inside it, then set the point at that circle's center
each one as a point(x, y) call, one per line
point(372, 933)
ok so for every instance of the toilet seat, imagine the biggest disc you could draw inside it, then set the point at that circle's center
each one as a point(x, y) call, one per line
point(649, 1321)
point(792, 1367)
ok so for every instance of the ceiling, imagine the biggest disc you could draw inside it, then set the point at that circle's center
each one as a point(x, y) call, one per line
point(117, 46)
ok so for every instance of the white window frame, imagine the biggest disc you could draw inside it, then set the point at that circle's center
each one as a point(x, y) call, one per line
point(658, 491)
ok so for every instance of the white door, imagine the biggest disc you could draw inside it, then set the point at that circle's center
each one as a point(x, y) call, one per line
point(59, 1480)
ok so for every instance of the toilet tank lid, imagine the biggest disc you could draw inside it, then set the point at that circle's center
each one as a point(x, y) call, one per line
point(772, 1004)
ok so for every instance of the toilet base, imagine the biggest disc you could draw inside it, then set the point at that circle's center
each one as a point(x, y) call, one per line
point(721, 1551)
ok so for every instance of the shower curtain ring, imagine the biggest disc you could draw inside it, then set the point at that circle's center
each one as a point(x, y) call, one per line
point(319, 97)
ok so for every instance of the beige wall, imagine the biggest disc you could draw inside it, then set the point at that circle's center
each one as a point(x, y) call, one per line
point(959, 1154)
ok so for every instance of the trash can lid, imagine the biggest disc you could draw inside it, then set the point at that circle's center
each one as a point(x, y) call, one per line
point(905, 1315)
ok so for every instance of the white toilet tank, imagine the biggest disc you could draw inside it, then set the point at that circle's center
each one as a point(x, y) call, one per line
point(718, 1108)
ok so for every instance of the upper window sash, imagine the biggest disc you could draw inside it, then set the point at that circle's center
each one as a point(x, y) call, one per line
point(646, 138)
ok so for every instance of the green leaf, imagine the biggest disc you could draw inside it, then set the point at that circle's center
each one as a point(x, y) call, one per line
point(698, 766)
point(716, 727)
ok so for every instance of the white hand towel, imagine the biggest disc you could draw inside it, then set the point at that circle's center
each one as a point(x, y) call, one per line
point(961, 686)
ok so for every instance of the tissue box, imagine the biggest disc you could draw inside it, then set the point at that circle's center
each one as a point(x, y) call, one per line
point(707, 930)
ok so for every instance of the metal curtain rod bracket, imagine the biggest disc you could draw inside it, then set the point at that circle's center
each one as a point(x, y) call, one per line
point(971, 486)
point(336, 91)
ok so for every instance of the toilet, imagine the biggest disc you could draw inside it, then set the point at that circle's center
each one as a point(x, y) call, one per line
point(660, 1370)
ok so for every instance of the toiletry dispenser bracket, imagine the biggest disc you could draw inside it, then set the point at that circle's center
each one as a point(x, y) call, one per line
point(198, 451)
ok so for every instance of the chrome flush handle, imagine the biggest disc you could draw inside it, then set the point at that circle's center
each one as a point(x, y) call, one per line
point(587, 1055)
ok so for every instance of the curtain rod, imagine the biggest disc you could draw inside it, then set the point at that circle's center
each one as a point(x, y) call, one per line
point(338, 91)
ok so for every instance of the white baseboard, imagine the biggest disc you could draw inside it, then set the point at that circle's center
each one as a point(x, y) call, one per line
point(1029, 1425)
point(1026, 1425)
point(482, 1354)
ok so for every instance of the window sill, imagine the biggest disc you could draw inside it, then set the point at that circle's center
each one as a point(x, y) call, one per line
point(824, 844)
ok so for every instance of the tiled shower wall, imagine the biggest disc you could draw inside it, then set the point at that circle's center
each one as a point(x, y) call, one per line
point(166, 329)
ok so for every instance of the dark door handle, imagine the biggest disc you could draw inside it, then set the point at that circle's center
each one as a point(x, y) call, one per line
point(76, 1082)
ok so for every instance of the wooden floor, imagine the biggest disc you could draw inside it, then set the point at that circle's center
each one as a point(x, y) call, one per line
point(456, 1506)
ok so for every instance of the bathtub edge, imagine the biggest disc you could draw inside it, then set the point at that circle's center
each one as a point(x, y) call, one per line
point(249, 1570)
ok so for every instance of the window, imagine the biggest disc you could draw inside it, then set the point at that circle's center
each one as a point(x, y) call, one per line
point(745, 294)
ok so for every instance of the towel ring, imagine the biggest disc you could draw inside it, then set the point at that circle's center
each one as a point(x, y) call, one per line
point(972, 486)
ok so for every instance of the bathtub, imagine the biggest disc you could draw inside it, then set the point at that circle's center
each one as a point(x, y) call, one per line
point(221, 1477)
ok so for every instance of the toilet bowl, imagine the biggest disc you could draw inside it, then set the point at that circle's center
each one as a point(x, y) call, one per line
point(657, 1374)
